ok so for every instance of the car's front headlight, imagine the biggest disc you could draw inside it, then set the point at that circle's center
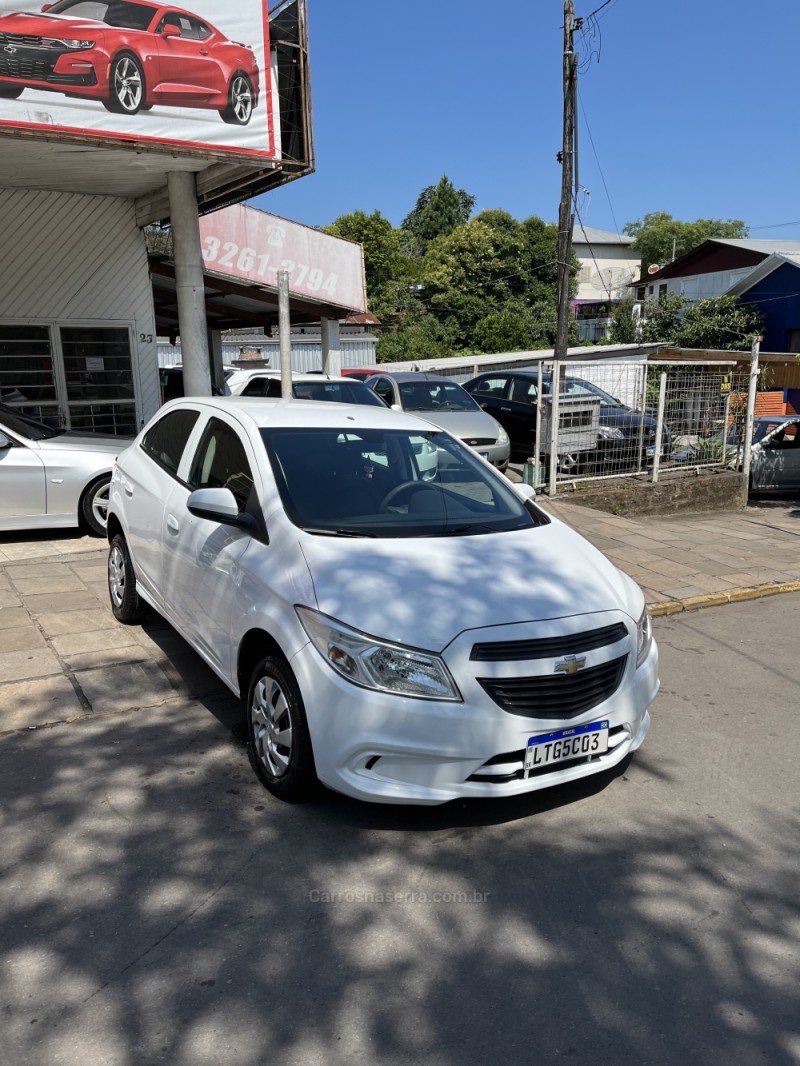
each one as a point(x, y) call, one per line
point(502, 436)
point(644, 630)
point(78, 46)
point(610, 433)
point(377, 664)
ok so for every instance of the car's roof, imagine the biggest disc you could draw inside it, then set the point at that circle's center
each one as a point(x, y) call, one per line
point(776, 418)
point(410, 375)
point(305, 414)
point(268, 372)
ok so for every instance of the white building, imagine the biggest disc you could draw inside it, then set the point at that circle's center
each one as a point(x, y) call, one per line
point(607, 267)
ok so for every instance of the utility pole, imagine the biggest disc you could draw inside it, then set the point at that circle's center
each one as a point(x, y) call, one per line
point(565, 223)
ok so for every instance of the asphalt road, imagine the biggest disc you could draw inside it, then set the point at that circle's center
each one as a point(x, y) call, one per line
point(159, 907)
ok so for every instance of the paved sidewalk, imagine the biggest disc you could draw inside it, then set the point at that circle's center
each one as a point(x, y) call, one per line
point(63, 656)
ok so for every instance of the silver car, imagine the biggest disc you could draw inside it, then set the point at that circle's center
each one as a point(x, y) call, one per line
point(52, 478)
point(447, 405)
point(775, 458)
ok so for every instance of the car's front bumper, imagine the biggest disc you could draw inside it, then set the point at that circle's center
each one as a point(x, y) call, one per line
point(390, 749)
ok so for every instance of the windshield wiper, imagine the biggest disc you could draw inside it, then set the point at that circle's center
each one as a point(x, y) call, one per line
point(337, 532)
point(471, 527)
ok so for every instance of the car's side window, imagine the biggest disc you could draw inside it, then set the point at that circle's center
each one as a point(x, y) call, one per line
point(523, 391)
point(490, 387)
point(386, 392)
point(256, 387)
point(220, 462)
point(164, 442)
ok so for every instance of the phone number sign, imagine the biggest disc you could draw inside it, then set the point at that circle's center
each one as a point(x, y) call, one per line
point(253, 246)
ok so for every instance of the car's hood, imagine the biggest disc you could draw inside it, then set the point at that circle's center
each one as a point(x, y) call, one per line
point(43, 25)
point(84, 442)
point(425, 591)
point(466, 425)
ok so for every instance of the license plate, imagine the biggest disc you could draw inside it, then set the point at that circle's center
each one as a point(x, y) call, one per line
point(483, 455)
point(548, 748)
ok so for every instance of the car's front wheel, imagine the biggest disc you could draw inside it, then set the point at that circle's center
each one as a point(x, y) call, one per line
point(126, 605)
point(278, 740)
point(126, 85)
point(240, 100)
point(94, 505)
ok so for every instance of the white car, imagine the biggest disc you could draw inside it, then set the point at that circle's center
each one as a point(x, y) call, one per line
point(403, 640)
point(50, 478)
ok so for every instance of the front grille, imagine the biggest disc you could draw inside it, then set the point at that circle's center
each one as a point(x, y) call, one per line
point(20, 40)
point(556, 696)
point(476, 442)
point(548, 647)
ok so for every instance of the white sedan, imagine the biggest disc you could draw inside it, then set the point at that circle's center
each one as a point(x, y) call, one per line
point(50, 478)
point(403, 640)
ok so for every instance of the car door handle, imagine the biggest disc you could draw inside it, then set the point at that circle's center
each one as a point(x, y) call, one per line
point(203, 51)
point(173, 525)
point(127, 487)
point(507, 409)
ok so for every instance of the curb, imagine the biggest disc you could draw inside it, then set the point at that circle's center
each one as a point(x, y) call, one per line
point(716, 599)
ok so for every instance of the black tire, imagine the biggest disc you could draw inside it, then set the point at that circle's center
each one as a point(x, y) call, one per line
point(240, 100)
point(126, 605)
point(126, 85)
point(278, 740)
point(94, 505)
point(11, 92)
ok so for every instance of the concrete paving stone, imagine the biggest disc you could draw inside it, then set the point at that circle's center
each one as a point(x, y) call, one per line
point(712, 583)
point(36, 703)
point(13, 617)
point(683, 592)
point(9, 552)
point(71, 644)
point(22, 638)
point(64, 582)
point(54, 601)
point(669, 568)
point(127, 685)
point(27, 569)
point(5, 583)
point(90, 571)
point(105, 657)
point(9, 599)
point(22, 665)
point(75, 621)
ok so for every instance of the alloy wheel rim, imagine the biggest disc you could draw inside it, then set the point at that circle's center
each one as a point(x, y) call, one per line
point(128, 84)
point(271, 723)
point(100, 505)
point(242, 99)
point(116, 576)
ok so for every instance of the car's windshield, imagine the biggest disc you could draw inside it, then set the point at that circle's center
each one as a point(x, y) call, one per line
point(390, 483)
point(435, 396)
point(112, 12)
point(337, 392)
point(25, 426)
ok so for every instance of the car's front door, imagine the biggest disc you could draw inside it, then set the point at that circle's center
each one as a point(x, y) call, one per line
point(775, 463)
point(23, 488)
point(187, 69)
point(201, 556)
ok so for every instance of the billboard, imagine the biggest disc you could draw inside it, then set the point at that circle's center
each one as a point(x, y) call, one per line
point(196, 78)
point(253, 246)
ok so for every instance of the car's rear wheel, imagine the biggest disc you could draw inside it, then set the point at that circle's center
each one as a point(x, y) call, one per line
point(11, 92)
point(94, 505)
point(278, 740)
point(126, 605)
point(126, 85)
point(240, 100)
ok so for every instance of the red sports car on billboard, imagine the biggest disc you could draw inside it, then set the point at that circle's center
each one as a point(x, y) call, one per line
point(128, 54)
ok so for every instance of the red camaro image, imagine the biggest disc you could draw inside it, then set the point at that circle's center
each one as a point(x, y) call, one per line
point(128, 54)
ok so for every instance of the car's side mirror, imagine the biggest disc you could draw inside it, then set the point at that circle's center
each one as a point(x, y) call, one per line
point(219, 505)
point(5, 442)
point(171, 31)
point(46, 7)
point(396, 407)
point(527, 492)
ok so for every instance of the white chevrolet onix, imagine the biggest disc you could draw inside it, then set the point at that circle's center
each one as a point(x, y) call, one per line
point(402, 635)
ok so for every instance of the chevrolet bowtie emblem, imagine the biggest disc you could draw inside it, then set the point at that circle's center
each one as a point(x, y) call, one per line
point(571, 664)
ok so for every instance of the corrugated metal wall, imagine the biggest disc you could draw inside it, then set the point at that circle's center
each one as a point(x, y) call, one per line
point(306, 353)
point(70, 257)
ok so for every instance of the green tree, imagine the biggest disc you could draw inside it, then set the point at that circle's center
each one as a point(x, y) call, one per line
point(624, 323)
point(437, 212)
point(388, 271)
point(658, 233)
point(722, 323)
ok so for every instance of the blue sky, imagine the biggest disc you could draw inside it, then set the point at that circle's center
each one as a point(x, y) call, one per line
point(688, 106)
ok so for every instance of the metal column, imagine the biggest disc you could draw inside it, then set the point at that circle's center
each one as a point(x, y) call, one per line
point(185, 222)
